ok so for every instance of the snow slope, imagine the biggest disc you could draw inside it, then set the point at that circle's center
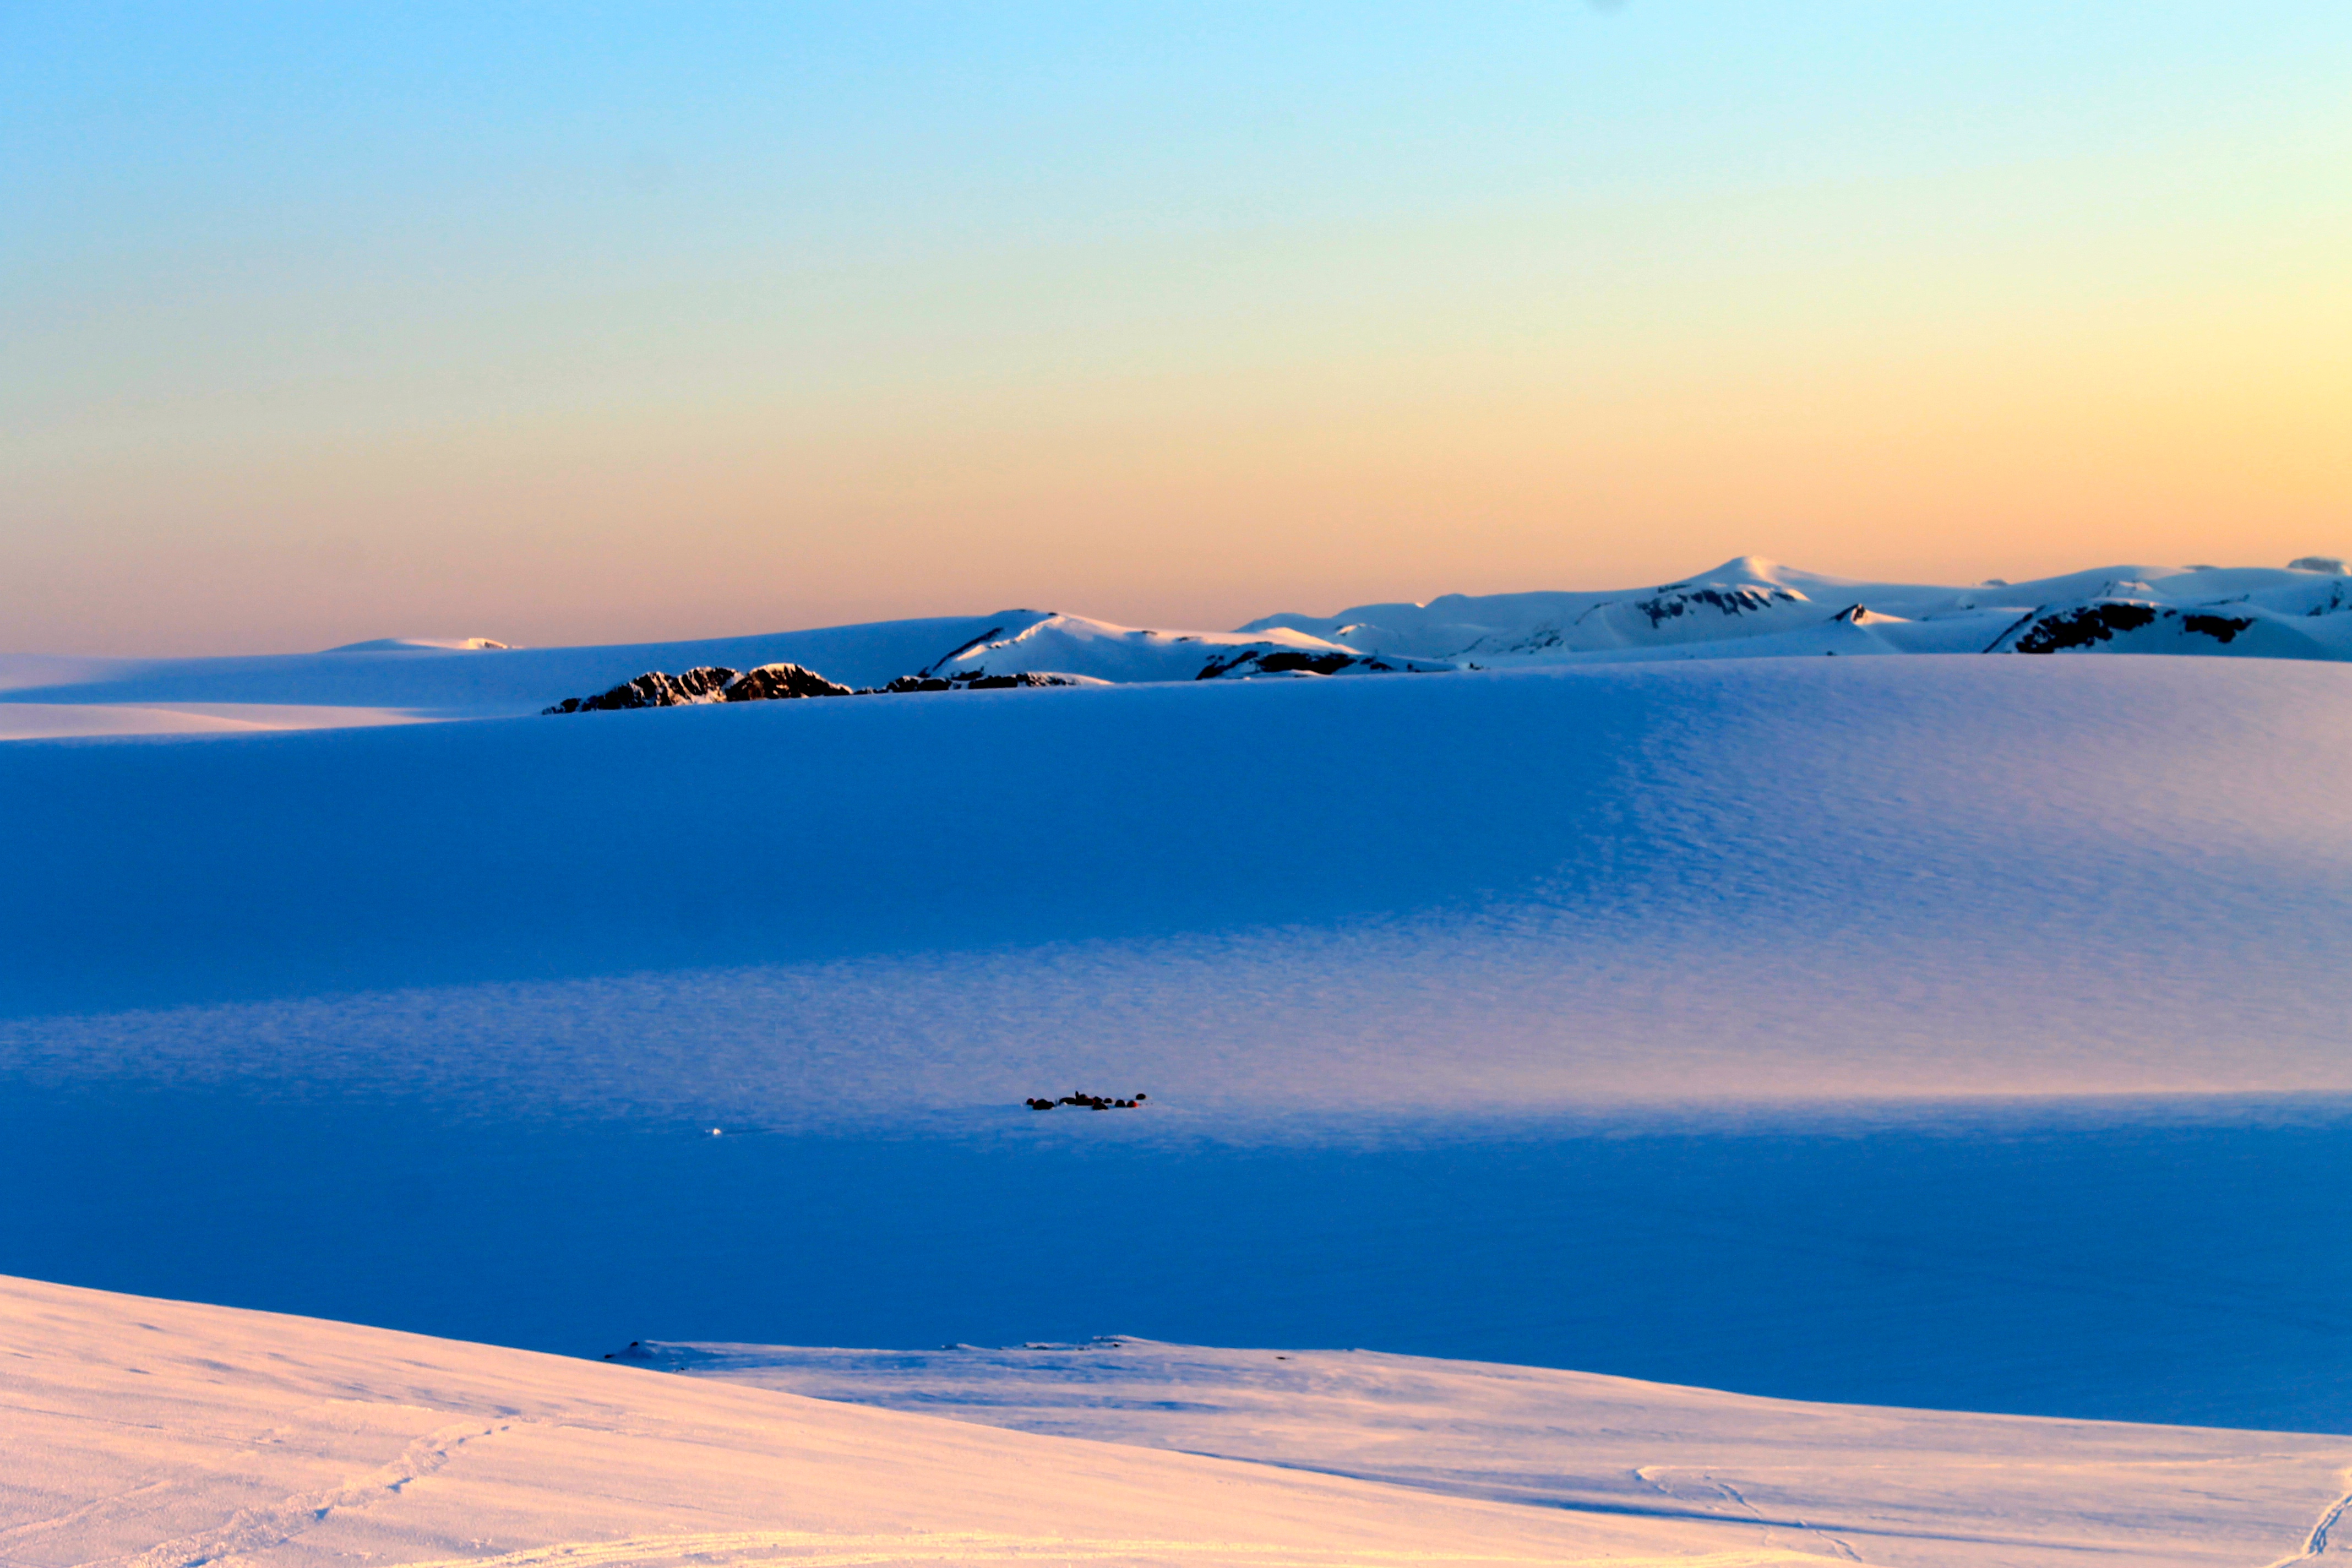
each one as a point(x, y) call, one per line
point(142, 1432)
point(147, 1434)
point(1908, 1488)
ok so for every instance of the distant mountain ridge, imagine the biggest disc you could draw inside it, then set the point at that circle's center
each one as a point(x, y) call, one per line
point(1745, 608)
point(1751, 607)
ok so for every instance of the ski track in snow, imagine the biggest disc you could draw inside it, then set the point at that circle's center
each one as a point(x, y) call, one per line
point(2315, 1545)
point(832, 1551)
point(254, 1530)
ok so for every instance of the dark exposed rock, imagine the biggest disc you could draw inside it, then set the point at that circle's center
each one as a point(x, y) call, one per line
point(2221, 628)
point(706, 683)
point(1087, 1101)
point(772, 682)
point(1291, 661)
point(2083, 625)
point(655, 689)
point(1671, 602)
point(977, 680)
point(2087, 625)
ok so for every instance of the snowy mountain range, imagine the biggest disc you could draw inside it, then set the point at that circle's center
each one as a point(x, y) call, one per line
point(1751, 607)
point(1747, 608)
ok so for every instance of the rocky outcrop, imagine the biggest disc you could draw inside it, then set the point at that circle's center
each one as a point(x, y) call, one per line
point(2083, 626)
point(774, 682)
point(771, 682)
point(2099, 621)
point(2220, 628)
point(1090, 1101)
point(706, 683)
point(977, 680)
point(1728, 600)
point(654, 688)
point(1257, 662)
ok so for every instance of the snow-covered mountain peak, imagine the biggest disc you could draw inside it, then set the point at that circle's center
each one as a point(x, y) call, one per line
point(421, 644)
point(1078, 645)
point(1757, 571)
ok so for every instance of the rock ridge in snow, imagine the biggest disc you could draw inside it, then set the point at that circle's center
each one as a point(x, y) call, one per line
point(780, 682)
point(706, 683)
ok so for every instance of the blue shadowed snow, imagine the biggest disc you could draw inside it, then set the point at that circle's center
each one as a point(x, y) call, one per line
point(2148, 1266)
point(1745, 879)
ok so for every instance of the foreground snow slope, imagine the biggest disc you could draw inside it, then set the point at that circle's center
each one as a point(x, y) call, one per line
point(1908, 1488)
point(147, 1434)
point(150, 1434)
point(1742, 880)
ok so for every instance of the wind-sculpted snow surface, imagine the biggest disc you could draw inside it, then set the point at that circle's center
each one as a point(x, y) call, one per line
point(1479, 893)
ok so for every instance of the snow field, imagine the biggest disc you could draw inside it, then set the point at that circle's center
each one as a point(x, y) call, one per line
point(1908, 1488)
point(144, 1433)
point(1744, 881)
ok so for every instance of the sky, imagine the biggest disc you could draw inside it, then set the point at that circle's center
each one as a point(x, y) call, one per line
point(571, 323)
